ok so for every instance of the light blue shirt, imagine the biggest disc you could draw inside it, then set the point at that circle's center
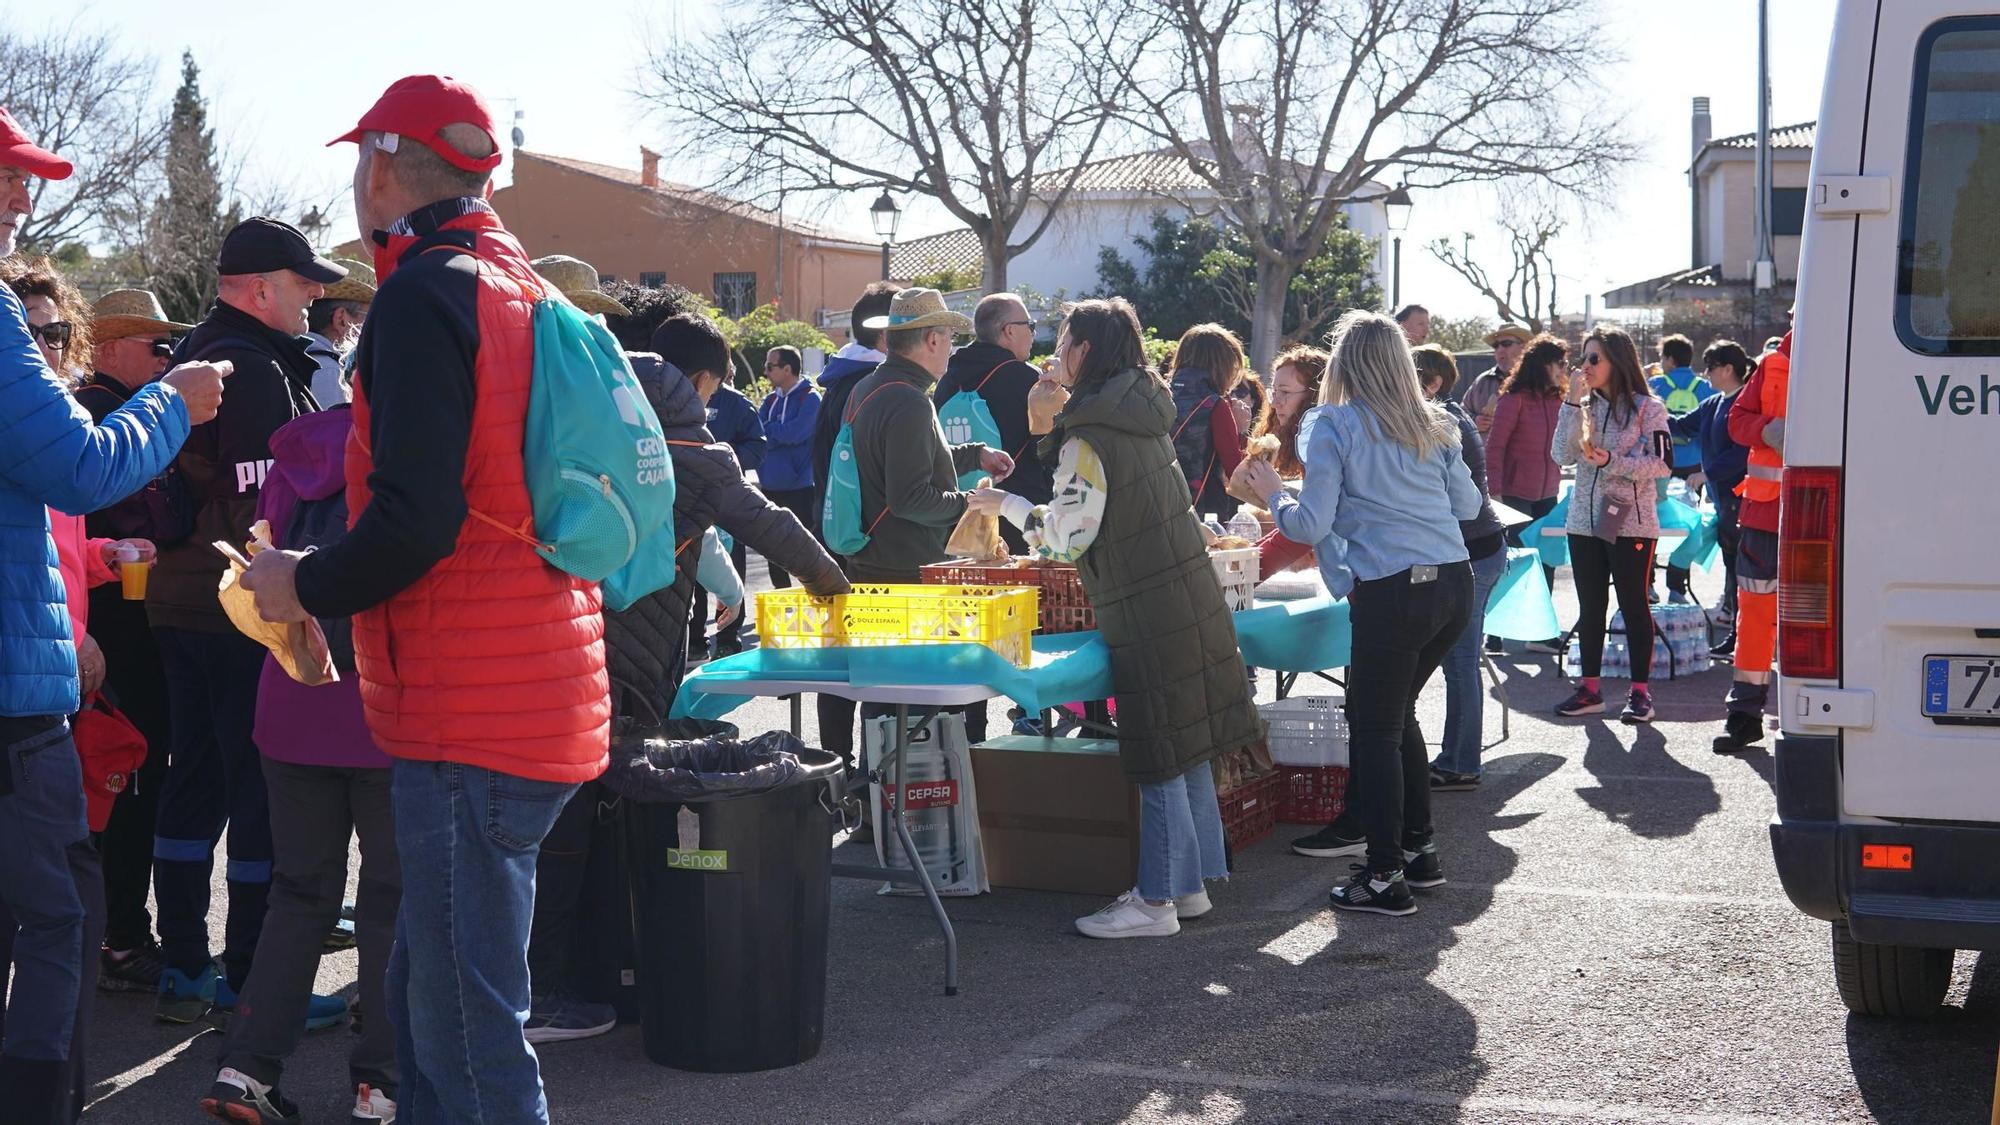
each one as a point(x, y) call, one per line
point(1370, 507)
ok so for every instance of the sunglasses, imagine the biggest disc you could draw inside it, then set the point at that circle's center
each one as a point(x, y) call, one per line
point(164, 349)
point(1592, 360)
point(54, 334)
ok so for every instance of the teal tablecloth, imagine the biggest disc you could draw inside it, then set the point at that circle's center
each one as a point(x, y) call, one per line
point(1299, 636)
point(1697, 549)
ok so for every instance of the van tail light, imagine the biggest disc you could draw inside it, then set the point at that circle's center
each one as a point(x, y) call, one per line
point(1809, 574)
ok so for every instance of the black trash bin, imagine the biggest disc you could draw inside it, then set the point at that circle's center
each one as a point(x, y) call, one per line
point(731, 864)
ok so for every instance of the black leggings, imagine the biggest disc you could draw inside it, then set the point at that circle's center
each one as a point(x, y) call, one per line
point(1626, 566)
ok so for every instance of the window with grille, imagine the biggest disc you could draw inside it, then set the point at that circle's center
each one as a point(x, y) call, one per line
point(736, 293)
point(653, 280)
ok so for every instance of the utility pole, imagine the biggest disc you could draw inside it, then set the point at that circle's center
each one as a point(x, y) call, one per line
point(1764, 269)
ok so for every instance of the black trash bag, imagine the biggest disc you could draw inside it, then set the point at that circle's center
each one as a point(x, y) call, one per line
point(701, 762)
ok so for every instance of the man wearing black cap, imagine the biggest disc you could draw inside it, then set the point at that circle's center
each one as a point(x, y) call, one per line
point(269, 276)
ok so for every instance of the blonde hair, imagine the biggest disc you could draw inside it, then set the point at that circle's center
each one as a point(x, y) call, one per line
point(1371, 365)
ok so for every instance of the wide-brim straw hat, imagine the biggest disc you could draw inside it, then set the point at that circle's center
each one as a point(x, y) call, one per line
point(123, 313)
point(1507, 332)
point(911, 309)
point(358, 285)
point(578, 281)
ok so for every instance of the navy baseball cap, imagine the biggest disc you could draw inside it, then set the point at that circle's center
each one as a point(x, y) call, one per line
point(264, 245)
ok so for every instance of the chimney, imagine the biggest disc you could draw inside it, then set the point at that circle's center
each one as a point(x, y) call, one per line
point(649, 164)
point(1246, 134)
point(1704, 128)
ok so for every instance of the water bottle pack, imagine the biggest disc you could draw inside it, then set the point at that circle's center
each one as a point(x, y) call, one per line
point(939, 805)
point(1680, 645)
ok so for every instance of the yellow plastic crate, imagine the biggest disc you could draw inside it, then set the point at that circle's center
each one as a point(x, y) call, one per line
point(1001, 618)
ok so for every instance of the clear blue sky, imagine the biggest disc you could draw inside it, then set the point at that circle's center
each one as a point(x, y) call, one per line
point(279, 87)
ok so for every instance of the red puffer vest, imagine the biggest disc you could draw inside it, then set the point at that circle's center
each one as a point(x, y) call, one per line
point(494, 658)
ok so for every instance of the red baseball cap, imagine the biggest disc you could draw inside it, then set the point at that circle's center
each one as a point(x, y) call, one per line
point(418, 107)
point(18, 150)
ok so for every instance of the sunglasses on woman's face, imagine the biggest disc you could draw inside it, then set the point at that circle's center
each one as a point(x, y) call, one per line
point(1591, 359)
point(54, 334)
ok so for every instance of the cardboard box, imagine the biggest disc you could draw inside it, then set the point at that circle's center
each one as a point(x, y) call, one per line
point(1057, 814)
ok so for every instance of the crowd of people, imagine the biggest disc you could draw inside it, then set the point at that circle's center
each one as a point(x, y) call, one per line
point(369, 419)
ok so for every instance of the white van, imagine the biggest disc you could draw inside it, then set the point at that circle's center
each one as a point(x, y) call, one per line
point(1888, 770)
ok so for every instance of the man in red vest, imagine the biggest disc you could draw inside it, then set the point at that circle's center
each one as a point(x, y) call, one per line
point(482, 667)
point(1757, 422)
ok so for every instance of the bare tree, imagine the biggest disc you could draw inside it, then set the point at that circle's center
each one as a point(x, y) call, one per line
point(84, 96)
point(990, 107)
point(1288, 109)
point(1526, 294)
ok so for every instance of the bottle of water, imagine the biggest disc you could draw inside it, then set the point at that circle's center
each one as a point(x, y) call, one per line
point(1214, 526)
point(1244, 525)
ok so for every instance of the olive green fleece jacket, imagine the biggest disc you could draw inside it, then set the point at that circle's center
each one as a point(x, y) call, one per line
point(909, 476)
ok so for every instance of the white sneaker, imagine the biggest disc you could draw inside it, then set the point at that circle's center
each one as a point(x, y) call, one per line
point(1130, 916)
point(1188, 907)
point(372, 1107)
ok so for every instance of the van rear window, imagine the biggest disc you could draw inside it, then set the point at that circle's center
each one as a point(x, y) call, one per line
point(1948, 288)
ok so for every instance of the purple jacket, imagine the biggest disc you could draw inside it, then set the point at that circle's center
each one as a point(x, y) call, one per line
point(1517, 448)
point(309, 726)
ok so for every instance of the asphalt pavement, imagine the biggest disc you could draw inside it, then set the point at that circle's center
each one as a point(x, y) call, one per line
point(1612, 945)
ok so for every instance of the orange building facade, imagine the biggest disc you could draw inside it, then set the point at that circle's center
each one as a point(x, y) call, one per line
point(635, 227)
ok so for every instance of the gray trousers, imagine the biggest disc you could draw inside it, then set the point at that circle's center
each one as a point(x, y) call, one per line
point(315, 810)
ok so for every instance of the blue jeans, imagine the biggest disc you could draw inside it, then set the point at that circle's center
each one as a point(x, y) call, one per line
point(41, 818)
point(1464, 695)
point(1180, 836)
point(458, 977)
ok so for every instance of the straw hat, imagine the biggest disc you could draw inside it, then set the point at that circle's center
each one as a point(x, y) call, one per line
point(911, 309)
point(358, 285)
point(1507, 332)
point(130, 312)
point(578, 281)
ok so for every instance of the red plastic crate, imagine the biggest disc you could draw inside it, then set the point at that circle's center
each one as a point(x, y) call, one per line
point(1311, 794)
point(1063, 608)
point(1250, 811)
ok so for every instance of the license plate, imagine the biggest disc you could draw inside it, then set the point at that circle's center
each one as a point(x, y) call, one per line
point(1962, 688)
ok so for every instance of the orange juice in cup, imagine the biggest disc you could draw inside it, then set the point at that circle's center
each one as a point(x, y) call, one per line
point(133, 571)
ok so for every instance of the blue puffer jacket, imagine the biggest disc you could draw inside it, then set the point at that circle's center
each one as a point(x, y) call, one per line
point(52, 456)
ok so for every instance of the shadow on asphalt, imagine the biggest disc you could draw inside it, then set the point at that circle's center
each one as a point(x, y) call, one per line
point(1629, 792)
point(1903, 1066)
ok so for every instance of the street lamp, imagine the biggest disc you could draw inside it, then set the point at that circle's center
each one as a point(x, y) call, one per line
point(886, 215)
point(1398, 204)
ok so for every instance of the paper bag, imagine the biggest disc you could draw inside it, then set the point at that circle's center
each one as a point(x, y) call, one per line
point(977, 536)
point(299, 646)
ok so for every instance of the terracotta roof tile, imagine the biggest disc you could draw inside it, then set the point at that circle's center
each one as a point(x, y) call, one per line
point(954, 249)
point(697, 196)
point(1783, 136)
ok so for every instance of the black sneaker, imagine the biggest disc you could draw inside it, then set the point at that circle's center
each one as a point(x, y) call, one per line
point(1495, 646)
point(1421, 869)
point(1583, 702)
point(130, 970)
point(1638, 708)
point(1387, 893)
point(1740, 731)
point(1724, 649)
point(1551, 647)
point(238, 1097)
point(1329, 844)
point(1445, 781)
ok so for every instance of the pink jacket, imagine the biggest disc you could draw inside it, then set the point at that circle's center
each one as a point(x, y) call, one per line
point(1517, 448)
point(83, 566)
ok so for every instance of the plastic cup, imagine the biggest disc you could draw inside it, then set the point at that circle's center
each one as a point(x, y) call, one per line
point(133, 571)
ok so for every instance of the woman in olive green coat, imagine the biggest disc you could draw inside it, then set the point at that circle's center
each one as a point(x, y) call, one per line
point(1122, 514)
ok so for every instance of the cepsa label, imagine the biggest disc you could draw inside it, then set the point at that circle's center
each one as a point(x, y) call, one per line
point(926, 795)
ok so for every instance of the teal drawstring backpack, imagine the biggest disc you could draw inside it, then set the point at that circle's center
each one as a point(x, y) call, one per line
point(840, 516)
point(965, 418)
point(598, 473)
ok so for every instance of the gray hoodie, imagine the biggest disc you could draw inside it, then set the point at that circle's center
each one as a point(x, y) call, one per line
point(1642, 452)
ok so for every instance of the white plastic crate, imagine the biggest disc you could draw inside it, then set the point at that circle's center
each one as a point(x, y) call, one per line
point(1307, 731)
point(1236, 569)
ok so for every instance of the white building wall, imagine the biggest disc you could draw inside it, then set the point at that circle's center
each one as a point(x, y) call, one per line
point(1065, 257)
